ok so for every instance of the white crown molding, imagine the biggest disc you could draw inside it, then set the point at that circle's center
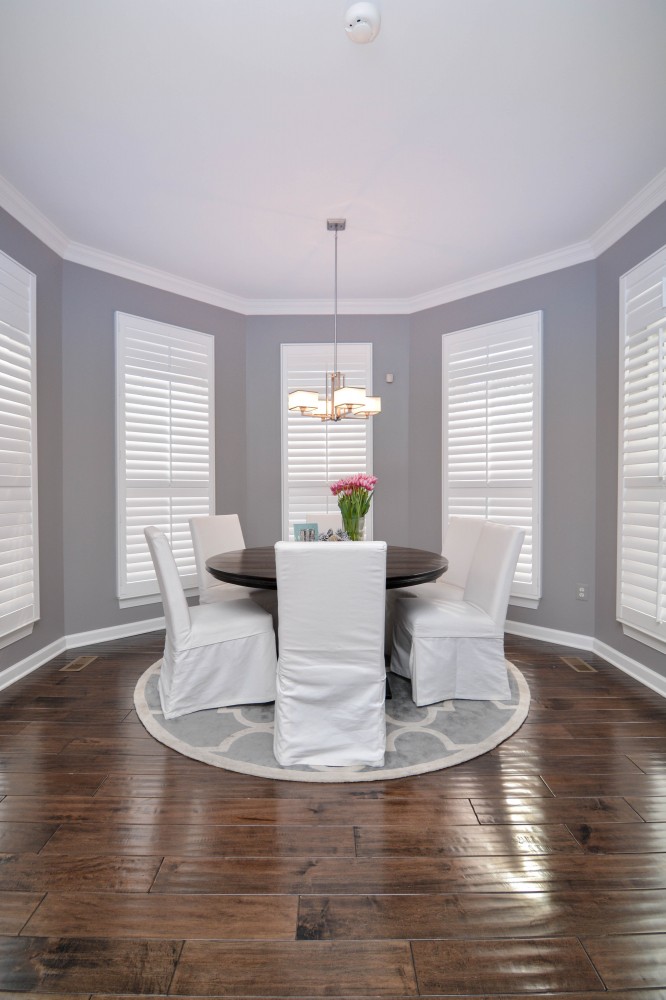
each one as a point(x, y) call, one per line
point(25, 212)
point(649, 198)
point(77, 253)
point(577, 253)
point(636, 209)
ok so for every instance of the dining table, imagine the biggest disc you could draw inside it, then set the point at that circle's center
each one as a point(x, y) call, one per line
point(255, 567)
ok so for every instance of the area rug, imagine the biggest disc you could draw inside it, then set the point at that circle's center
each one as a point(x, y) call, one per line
point(417, 739)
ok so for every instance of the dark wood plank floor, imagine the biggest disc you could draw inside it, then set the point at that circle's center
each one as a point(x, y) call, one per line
point(127, 870)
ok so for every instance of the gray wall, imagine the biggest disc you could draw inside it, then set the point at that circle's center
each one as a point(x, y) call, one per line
point(90, 299)
point(568, 303)
point(647, 237)
point(75, 345)
point(389, 336)
point(25, 248)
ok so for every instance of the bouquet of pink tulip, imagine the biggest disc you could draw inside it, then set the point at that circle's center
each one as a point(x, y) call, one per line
point(354, 495)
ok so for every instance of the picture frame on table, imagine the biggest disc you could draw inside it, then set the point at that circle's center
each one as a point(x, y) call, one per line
point(306, 531)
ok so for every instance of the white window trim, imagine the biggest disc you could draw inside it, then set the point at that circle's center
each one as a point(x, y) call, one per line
point(284, 390)
point(135, 595)
point(28, 281)
point(644, 629)
point(521, 596)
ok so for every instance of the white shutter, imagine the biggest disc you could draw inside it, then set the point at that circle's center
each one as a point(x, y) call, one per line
point(491, 433)
point(641, 597)
point(165, 436)
point(316, 453)
point(19, 592)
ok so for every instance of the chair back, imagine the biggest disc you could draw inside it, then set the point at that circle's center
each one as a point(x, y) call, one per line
point(331, 604)
point(460, 541)
point(492, 568)
point(210, 535)
point(176, 611)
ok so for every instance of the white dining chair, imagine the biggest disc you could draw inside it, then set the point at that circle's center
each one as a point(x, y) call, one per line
point(331, 681)
point(455, 648)
point(215, 655)
point(210, 535)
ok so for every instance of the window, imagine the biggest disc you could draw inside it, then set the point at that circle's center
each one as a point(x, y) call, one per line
point(491, 409)
point(314, 452)
point(19, 590)
point(641, 591)
point(165, 445)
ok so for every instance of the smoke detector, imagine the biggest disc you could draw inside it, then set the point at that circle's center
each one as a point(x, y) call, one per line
point(362, 22)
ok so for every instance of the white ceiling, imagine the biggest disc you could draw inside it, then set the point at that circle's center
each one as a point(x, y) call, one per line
point(211, 139)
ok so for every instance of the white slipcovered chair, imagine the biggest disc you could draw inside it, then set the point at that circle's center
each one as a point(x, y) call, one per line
point(331, 681)
point(455, 648)
point(210, 535)
point(216, 654)
point(460, 540)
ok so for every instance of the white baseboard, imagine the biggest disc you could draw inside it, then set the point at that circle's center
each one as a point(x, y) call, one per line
point(650, 678)
point(114, 632)
point(42, 656)
point(32, 662)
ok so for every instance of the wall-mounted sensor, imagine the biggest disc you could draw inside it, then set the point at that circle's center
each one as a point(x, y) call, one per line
point(389, 377)
point(362, 22)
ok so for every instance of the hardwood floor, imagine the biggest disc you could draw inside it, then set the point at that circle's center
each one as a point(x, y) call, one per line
point(126, 869)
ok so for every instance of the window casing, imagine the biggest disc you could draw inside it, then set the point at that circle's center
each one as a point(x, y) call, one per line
point(491, 434)
point(316, 453)
point(641, 583)
point(165, 446)
point(19, 565)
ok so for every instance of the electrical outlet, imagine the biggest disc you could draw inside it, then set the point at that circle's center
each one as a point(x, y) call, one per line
point(582, 592)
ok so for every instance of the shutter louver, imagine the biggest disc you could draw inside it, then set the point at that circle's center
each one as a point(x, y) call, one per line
point(165, 445)
point(19, 593)
point(641, 600)
point(491, 433)
point(316, 453)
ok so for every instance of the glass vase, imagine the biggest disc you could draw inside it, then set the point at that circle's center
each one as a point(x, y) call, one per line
point(354, 527)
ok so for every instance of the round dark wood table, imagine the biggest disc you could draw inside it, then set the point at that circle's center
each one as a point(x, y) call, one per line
point(405, 567)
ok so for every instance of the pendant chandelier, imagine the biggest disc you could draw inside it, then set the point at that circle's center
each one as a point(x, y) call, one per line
point(340, 400)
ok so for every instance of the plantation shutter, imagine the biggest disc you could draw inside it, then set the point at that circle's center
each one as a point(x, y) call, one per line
point(19, 592)
point(316, 453)
point(165, 434)
point(642, 501)
point(492, 433)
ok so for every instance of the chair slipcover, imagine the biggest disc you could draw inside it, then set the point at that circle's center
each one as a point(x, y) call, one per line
point(329, 706)
point(455, 648)
point(214, 655)
point(210, 535)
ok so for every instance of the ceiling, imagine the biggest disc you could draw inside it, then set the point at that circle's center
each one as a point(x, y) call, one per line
point(211, 139)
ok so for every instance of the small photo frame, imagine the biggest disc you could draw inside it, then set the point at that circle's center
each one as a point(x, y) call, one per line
point(308, 531)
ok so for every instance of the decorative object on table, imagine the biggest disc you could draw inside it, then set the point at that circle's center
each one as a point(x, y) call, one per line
point(334, 536)
point(307, 531)
point(418, 740)
point(340, 400)
point(354, 495)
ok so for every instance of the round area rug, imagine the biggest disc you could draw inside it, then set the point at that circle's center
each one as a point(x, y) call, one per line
point(417, 739)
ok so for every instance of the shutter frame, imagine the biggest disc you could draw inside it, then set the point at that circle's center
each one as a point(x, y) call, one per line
point(641, 518)
point(339, 449)
point(19, 526)
point(165, 445)
point(491, 433)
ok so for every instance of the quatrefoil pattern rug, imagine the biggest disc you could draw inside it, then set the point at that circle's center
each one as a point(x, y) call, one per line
point(417, 739)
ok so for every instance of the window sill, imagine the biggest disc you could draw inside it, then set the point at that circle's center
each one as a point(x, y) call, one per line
point(648, 640)
point(16, 634)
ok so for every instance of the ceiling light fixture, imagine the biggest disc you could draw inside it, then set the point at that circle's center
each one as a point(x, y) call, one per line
point(362, 23)
point(340, 400)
